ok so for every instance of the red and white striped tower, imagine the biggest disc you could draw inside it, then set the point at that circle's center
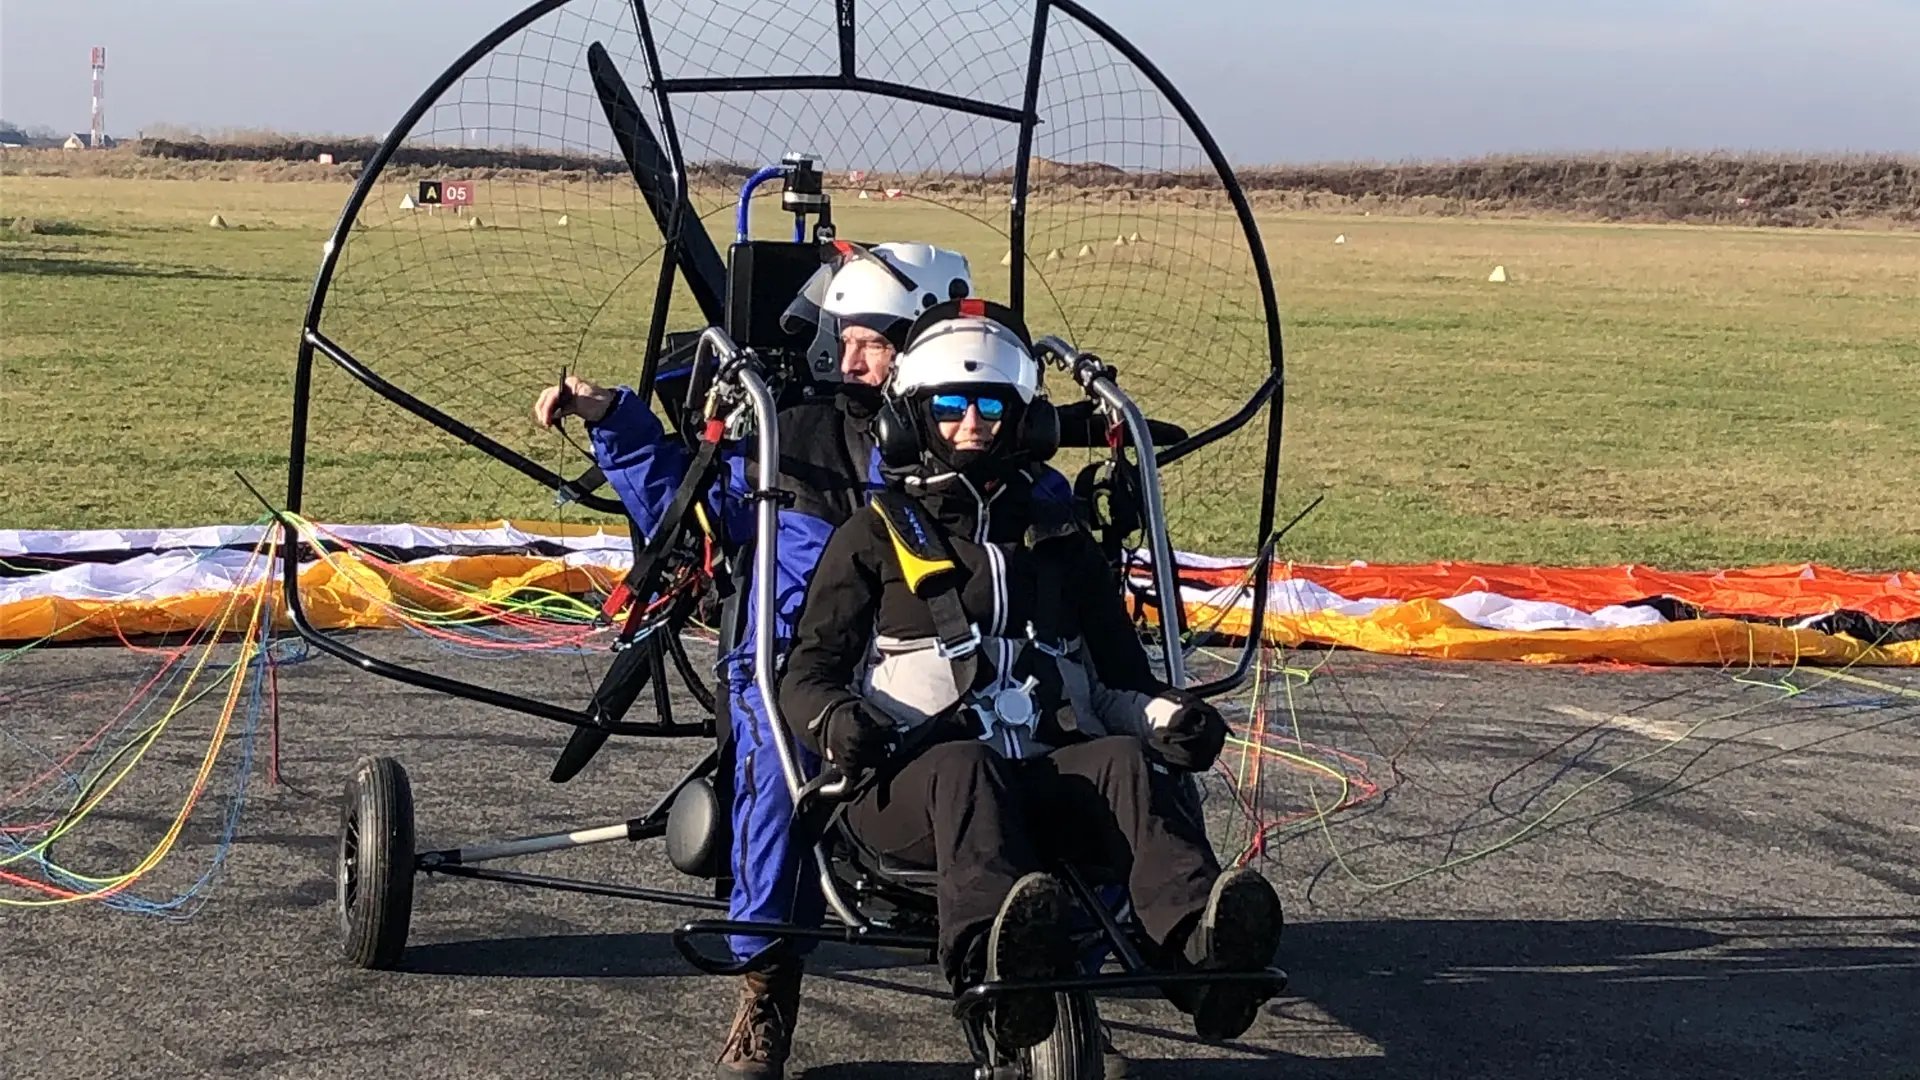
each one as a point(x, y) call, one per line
point(99, 97)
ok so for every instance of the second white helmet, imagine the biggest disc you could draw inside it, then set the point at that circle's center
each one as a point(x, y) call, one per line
point(895, 282)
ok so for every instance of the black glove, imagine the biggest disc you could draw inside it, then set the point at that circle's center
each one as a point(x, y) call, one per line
point(855, 737)
point(1193, 736)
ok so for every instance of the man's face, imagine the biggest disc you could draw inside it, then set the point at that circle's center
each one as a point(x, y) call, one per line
point(866, 356)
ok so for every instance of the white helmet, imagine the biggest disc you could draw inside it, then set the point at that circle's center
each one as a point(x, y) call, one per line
point(966, 350)
point(959, 346)
point(884, 289)
point(892, 282)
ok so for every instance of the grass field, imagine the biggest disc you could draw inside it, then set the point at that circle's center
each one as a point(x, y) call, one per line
point(1675, 396)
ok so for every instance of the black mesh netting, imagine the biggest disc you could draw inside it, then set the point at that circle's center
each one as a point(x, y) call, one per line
point(1133, 249)
point(473, 309)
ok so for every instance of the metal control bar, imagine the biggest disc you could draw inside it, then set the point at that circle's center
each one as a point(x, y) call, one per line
point(1097, 378)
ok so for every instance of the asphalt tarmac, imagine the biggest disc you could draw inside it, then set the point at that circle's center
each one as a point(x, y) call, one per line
point(1567, 873)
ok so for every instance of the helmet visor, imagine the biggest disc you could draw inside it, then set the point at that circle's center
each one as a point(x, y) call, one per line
point(948, 408)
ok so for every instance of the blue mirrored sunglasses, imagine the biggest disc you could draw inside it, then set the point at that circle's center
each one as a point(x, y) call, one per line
point(948, 408)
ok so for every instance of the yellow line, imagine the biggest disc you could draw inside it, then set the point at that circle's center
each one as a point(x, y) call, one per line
point(1891, 688)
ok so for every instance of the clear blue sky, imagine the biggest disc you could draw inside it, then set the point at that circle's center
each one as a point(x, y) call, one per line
point(1277, 80)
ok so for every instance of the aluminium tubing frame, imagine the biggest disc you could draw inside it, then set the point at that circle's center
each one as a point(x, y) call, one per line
point(459, 862)
point(1166, 578)
point(647, 826)
point(1105, 983)
point(663, 897)
point(766, 569)
point(1166, 573)
point(1090, 372)
point(469, 854)
point(714, 342)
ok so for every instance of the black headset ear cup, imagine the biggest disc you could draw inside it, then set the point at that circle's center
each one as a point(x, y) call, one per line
point(896, 437)
point(1040, 431)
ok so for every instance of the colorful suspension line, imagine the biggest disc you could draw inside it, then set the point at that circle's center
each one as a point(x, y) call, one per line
point(1261, 748)
point(137, 706)
point(1555, 815)
point(533, 620)
point(245, 681)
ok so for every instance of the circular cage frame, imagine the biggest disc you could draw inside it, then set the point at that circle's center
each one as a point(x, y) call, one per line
point(661, 172)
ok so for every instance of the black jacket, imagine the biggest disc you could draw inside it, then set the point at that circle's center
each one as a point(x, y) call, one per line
point(827, 458)
point(864, 635)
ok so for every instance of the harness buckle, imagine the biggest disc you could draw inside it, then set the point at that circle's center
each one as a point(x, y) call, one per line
point(954, 650)
point(1010, 707)
point(1055, 649)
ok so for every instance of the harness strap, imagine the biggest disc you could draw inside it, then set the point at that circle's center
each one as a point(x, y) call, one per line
point(1048, 649)
point(1046, 538)
point(928, 564)
point(858, 443)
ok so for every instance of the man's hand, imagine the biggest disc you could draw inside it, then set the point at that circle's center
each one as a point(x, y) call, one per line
point(573, 397)
point(858, 738)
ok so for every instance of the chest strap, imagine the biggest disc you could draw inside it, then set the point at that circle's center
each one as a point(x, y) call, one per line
point(928, 565)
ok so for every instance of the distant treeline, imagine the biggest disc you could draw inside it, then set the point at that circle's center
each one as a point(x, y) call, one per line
point(356, 152)
point(1742, 189)
point(482, 161)
point(1706, 188)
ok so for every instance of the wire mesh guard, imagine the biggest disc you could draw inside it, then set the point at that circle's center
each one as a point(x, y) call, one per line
point(543, 254)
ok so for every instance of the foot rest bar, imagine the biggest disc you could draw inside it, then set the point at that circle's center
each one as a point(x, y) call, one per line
point(637, 829)
point(591, 888)
point(783, 932)
point(974, 998)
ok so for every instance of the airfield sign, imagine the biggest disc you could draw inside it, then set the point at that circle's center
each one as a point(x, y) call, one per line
point(455, 193)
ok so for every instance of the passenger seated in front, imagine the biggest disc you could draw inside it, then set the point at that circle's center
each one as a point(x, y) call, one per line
point(966, 644)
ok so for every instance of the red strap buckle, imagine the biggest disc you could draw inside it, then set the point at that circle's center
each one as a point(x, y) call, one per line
point(616, 600)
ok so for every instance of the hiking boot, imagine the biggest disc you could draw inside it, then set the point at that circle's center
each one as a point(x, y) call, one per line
point(762, 1034)
point(1238, 931)
point(1028, 940)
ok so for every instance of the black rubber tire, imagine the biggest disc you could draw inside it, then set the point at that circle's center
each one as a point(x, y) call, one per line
point(373, 870)
point(1072, 1052)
